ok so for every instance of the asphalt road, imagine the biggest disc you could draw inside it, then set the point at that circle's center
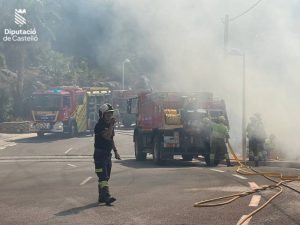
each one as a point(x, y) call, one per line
point(52, 181)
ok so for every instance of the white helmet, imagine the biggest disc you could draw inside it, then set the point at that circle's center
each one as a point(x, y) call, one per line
point(105, 108)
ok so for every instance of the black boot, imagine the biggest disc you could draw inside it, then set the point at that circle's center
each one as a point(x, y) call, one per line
point(228, 163)
point(99, 194)
point(105, 196)
point(211, 160)
point(256, 164)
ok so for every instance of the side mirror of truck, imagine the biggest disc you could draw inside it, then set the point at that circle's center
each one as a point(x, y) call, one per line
point(129, 106)
point(132, 106)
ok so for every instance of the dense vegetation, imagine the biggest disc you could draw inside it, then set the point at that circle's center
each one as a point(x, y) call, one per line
point(79, 43)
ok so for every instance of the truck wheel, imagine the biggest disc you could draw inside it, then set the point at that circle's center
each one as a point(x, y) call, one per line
point(73, 130)
point(139, 155)
point(216, 163)
point(40, 134)
point(187, 157)
point(207, 160)
point(156, 152)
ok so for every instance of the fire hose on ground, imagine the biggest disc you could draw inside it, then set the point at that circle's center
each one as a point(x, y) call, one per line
point(246, 170)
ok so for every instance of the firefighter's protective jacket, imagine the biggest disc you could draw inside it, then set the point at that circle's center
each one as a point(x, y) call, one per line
point(219, 130)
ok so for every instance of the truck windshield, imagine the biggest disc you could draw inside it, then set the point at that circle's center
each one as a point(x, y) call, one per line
point(46, 102)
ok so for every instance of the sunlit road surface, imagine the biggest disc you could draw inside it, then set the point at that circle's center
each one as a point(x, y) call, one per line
point(52, 181)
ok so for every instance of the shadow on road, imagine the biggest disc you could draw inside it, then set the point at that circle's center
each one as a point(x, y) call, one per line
point(47, 138)
point(124, 128)
point(176, 163)
point(77, 210)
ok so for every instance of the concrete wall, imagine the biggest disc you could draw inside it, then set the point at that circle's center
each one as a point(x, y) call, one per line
point(15, 127)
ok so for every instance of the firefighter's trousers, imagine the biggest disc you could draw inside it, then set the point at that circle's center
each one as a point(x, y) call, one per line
point(217, 150)
point(256, 150)
point(103, 169)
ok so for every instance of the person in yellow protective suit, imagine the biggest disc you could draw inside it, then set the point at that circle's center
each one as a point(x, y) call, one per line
point(219, 138)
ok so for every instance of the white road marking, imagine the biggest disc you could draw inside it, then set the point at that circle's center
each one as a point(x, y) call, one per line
point(246, 222)
point(85, 181)
point(255, 200)
point(253, 185)
point(66, 152)
point(7, 145)
point(11, 144)
point(239, 176)
point(220, 171)
point(71, 165)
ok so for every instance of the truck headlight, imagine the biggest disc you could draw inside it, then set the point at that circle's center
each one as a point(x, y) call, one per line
point(58, 125)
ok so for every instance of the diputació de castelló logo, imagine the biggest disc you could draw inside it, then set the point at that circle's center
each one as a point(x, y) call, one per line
point(20, 20)
point(20, 35)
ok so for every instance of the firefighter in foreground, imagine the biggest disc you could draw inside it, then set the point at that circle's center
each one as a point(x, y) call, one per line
point(104, 143)
point(219, 138)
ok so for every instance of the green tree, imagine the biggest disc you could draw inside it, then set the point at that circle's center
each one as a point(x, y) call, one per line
point(5, 86)
point(40, 16)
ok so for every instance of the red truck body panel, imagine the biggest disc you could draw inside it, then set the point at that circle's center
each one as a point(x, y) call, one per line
point(173, 123)
point(63, 111)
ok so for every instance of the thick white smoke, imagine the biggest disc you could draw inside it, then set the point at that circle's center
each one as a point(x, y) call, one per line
point(189, 34)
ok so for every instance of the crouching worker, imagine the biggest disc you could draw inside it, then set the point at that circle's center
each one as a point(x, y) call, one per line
point(104, 143)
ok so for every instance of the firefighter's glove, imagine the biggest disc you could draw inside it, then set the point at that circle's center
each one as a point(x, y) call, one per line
point(117, 156)
point(112, 121)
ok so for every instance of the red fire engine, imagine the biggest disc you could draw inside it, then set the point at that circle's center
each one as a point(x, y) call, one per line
point(173, 123)
point(67, 109)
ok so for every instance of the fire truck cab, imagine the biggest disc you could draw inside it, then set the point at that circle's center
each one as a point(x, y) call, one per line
point(119, 100)
point(67, 109)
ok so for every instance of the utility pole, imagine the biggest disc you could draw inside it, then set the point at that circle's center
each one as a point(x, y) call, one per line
point(226, 31)
point(244, 110)
point(123, 71)
point(243, 55)
point(226, 24)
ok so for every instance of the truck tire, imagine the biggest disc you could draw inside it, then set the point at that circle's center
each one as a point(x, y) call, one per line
point(73, 130)
point(216, 162)
point(206, 158)
point(40, 134)
point(139, 154)
point(187, 157)
point(156, 152)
